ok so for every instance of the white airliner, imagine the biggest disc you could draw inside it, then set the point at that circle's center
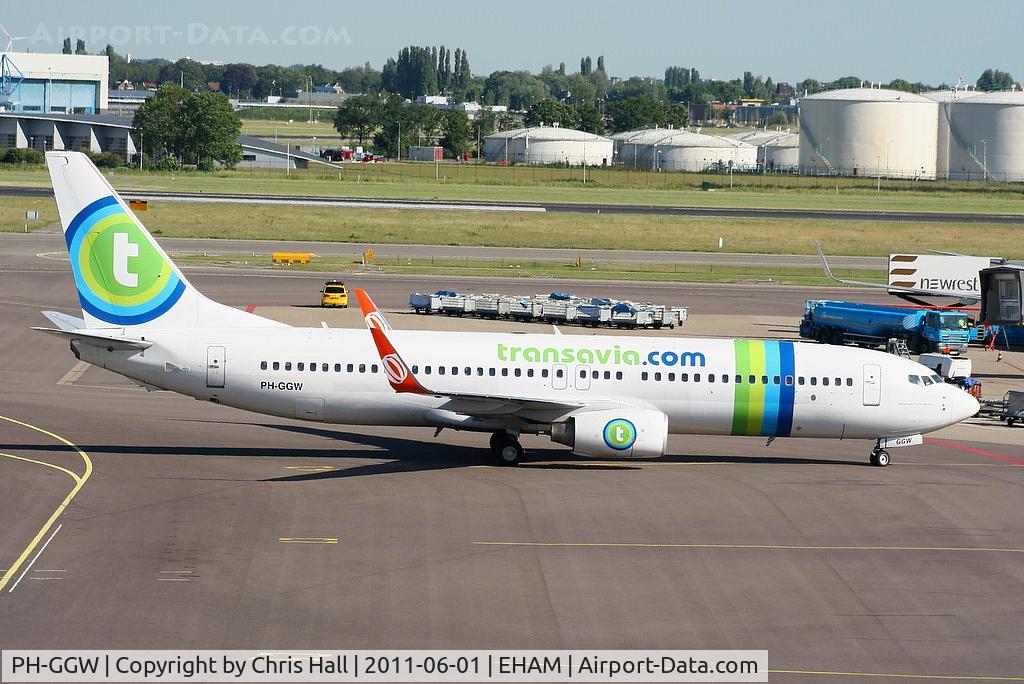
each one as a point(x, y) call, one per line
point(603, 396)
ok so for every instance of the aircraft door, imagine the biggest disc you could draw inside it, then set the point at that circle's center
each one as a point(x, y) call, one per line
point(582, 377)
point(872, 384)
point(559, 377)
point(215, 363)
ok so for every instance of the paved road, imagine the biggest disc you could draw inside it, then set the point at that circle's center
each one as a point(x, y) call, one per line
point(184, 515)
point(34, 243)
point(450, 205)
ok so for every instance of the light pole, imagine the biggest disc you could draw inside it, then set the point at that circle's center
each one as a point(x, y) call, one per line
point(309, 98)
point(48, 98)
point(984, 158)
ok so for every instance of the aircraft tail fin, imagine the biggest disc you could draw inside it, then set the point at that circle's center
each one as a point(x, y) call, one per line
point(123, 276)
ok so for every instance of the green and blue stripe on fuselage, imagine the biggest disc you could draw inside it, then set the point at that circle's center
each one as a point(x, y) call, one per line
point(764, 399)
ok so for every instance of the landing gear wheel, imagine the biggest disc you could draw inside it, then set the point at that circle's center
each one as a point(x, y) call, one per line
point(506, 449)
point(880, 458)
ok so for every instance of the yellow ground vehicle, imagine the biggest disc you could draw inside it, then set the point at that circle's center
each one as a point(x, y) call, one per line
point(334, 293)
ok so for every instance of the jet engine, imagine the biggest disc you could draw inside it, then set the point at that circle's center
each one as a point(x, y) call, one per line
point(614, 433)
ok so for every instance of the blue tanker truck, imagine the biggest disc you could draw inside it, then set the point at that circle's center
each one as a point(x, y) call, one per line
point(924, 330)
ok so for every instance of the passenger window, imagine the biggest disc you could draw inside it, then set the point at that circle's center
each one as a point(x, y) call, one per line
point(800, 380)
point(479, 370)
point(518, 372)
point(373, 368)
point(776, 380)
point(618, 375)
point(594, 375)
point(725, 378)
point(263, 365)
point(657, 377)
point(607, 375)
point(696, 377)
point(287, 365)
point(312, 367)
point(849, 382)
point(544, 372)
point(839, 382)
point(752, 379)
point(671, 377)
point(455, 370)
point(415, 369)
point(300, 366)
point(644, 375)
point(325, 367)
point(764, 379)
point(824, 381)
point(440, 370)
point(491, 372)
point(362, 368)
point(739, 379)
point(685, 377)
point(277, 365)
point(337, 368)
point(583, 374)
point(529, 372)
point(814, 381)
point(914, 379)
point(349, 368)
point(468, 370)
point(789, 380)
point(504, 372)
point(559, 373)
point(926, 379)
point(428, 369)
point(937, 379)
point(711, 377)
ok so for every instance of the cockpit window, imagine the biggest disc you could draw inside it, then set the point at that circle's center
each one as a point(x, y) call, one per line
point(927, 379)
point(914, 379)
point(936, 378)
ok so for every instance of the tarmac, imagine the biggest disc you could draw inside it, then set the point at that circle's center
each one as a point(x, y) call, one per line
point(190, 525)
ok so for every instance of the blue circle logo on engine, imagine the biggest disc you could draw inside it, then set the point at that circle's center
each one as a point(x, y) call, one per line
point(620, 434)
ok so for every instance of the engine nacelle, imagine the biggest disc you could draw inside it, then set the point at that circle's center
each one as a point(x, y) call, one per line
point(614, 433)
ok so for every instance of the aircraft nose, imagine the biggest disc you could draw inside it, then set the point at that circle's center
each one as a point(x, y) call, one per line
point(963, 405)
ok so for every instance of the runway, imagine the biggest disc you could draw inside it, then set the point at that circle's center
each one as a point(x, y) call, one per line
point(200, 526)
point(29, 244)
point(575, 207)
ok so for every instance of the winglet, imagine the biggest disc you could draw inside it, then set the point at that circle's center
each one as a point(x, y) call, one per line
point(399, 374)
point(824, 262)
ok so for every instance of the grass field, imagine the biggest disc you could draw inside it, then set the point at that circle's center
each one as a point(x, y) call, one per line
point(561, 185)
point(298, 126)
point(548, 269)
point(604, 231)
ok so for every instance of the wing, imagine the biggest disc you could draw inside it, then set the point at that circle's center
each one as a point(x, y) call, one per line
point(403, 381)
point(967, 299)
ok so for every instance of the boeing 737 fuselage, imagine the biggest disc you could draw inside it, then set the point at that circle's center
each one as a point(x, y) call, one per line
point(603, 396)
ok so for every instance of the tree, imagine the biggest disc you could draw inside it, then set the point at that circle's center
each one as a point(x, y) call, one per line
point(590, 119)
point(600, 63)
point(184, 72)
point(635, 112)
point(516, 89)
point(676, 116)
point(238, 79)
point(551, 112)
point(561, 68)
point(994, 79)
point(67, 47)
point(157, 121)
point(777, 119)
point(80, 47)
point(358, 117)
point(455, 132)
point(210, 129)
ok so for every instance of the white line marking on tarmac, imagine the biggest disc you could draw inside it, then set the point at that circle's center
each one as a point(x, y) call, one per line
point(76, 372)
point(35, 558)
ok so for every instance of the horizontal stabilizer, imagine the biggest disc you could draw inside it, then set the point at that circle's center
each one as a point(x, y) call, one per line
point(64, 321)
point(97, 338)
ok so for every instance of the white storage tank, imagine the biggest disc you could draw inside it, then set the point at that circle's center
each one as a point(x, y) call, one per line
point(662, 149)
point(776, 150)
point(868, 132)
point(548, 145)
point(981, 135)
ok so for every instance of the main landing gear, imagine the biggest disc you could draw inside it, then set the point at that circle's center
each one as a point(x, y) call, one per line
point(506, 448)
point(879, 457)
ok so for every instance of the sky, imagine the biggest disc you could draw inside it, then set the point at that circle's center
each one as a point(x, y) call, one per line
point(931, 41)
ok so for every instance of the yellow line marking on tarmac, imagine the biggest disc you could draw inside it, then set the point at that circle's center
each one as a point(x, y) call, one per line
point(896, 675)
point(308, 540)
point(80, 481)
point(76, 372)
point(74, 476)
point(763, 547)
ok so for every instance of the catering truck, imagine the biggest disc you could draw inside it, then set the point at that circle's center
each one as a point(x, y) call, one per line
point(923, 330)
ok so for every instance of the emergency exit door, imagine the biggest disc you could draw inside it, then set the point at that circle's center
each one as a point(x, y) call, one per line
point(872, 384)
point(215, 362)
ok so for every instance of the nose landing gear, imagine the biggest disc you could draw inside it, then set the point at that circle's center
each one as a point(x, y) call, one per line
point(879, 457)
point(506, 448)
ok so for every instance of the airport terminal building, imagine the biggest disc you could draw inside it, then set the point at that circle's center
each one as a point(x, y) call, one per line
point(58, 83)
